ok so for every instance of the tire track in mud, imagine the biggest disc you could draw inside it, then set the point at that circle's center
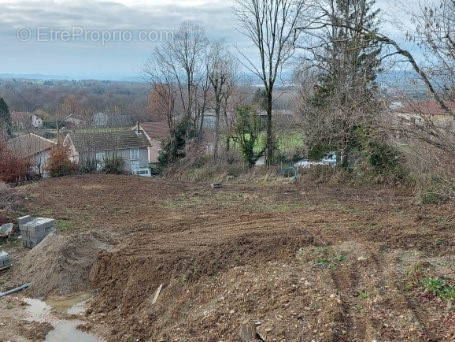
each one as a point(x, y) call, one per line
point(369, 303)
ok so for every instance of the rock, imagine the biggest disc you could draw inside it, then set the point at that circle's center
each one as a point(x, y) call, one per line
point(217, 185)
point(6, 230)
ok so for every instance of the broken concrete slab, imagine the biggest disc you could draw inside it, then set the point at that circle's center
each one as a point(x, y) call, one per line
point(5, 261)
point(35, 229)
point(6, 230)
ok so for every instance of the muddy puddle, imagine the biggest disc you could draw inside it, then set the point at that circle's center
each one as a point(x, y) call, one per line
point(64, 330)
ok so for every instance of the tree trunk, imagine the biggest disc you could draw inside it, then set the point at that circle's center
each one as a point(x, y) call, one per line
point(270, 139)
point(217, 127)
point(201, 126)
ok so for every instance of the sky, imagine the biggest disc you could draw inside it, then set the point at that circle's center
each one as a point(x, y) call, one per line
point(111, 39)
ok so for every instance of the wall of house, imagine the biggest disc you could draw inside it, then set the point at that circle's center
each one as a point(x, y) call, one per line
point(141, 161)
point(74, 155)
point(37, 122)
point(154, 151)
point(39, 162)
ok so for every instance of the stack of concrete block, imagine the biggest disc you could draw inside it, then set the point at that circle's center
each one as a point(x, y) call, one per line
point(5, 261)
point(35, 229)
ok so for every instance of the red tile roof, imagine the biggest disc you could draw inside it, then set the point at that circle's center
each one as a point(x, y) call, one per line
point(429, 107)
point(155, 130)
point(28, 145)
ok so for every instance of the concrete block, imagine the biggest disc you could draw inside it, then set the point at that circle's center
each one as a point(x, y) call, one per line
point(35, 230)
point(5, 261)
point(23, 220)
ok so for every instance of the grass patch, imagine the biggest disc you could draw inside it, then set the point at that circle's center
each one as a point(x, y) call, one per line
point(331, 262)
point(362, 295)
point(440, 288)
point(9, 243)
point(322, 257)
point(64, 226)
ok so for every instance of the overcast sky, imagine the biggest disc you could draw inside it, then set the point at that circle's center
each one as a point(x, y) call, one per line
point(112, 39)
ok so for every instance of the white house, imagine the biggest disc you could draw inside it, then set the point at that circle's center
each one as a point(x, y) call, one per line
point(131, 146)
point(34, 148)
point(26, 120)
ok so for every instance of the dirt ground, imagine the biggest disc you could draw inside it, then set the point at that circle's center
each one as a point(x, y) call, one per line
point(292, 262)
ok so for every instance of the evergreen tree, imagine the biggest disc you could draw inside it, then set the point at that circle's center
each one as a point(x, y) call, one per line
point(344, 98)
point(5, 117)
point(351, 59)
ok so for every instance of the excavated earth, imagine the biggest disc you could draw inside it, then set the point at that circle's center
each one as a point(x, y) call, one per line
point(276, 261)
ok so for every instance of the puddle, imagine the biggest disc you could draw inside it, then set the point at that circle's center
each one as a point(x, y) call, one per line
point(64, 330)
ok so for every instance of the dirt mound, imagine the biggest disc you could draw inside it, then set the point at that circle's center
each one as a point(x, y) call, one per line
point(61, 264)
point(9, 198)
point(34, 331)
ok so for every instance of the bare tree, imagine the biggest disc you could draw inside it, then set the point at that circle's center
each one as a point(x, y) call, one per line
point(162, 98)
point(180, 61)
point(271, 26)
point(221, 71)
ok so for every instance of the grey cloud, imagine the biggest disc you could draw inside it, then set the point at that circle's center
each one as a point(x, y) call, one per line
point(216, 16)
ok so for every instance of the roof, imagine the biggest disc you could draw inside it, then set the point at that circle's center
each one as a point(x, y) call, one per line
point(429, 107)
point(21, 117)
point(28, 145)
point(107, 140)
point(155, 130)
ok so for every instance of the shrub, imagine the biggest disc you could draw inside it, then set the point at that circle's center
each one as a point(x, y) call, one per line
point(374, 158)
point(87, 166)
point(440, 288)
point(248, 129)
point(59, 163)
point(433, 191)
point(114, 165)
point(12, 168)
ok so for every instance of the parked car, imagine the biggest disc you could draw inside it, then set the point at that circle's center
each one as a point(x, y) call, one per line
point(329, 159)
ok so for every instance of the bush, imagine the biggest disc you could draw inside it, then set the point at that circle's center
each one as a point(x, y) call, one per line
point(12, 168)
point(87, 166)
point(248, 129)
point(373, 158)
point(114, 165)
point(59, 163)
point(433, 191)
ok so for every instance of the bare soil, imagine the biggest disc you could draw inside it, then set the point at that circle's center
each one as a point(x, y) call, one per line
point(294, 262)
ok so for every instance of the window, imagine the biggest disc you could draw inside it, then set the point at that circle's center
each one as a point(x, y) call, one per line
point(135, 154)
point(100, 156)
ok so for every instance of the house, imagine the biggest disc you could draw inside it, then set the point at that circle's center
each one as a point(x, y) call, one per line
point(155, 132)
point(131, 146)
point(75, 121)
point(25, 120)
point(33, 147)
point(417, 113)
